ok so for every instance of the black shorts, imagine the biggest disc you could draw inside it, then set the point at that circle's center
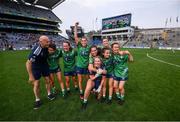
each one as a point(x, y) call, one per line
point(108, 75)
point(40, 71)
point(120, 78)
point(70, 73)
point(58, 69)
point(82, 71)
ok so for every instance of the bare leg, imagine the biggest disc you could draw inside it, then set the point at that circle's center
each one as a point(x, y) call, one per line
point(36, 89)
point(47, 85)
point(110, 87)
point(51, 79)
point(104, 88)
point(67, 82)
point(60, 80)
point(80, 81)
point(116, 88)
point(89, 86)
point(75, 81)
point(121, 88)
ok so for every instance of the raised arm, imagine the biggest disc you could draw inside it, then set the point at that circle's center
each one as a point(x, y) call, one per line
point(129, 55)
point(75, 33)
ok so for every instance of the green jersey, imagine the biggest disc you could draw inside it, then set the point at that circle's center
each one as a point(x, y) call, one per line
point(91, 59)
point(53, 60)
point(108, 64)
point(82, 55)
point(69, 59)
point(120, 65)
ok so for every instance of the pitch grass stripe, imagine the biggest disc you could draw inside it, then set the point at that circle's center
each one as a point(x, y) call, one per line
point(162, 61)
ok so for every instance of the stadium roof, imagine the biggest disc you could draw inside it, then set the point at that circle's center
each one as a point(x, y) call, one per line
point(51, 4)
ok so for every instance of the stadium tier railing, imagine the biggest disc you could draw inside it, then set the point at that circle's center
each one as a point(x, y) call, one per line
point(27, 11)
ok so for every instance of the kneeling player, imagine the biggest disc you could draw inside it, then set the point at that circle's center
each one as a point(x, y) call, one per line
point(95, 81)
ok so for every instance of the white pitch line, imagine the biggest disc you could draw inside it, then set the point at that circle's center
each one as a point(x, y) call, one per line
point(162, 61)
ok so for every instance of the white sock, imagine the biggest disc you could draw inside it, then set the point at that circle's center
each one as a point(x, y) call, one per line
point(85, 100)
point(81, 91)
point(37, 99)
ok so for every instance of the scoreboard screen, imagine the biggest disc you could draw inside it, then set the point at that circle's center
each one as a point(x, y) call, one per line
point(116, 22)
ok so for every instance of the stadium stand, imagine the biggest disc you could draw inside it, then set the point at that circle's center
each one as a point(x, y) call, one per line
point(25, 40)
point(14, 8)
point(22, 22)
point(154, 38)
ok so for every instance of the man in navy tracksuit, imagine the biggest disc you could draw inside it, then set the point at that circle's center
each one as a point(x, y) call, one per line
point(37, 66)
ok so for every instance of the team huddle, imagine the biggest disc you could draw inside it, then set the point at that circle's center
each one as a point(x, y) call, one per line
point(99, 66)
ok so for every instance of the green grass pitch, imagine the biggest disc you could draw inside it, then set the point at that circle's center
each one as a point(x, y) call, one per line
point(152, 92)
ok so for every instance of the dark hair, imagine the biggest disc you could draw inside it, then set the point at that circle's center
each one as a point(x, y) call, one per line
point(52, 45)
point(93, 46)
point(84, 37)
point(114, 44)
point(68, 44)
point(103, 50)
point(98, 49)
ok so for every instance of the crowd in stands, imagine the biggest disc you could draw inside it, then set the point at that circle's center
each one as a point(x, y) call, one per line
point(152, 43)
point(27, 10)
point(28, 27)
point(25, 40)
